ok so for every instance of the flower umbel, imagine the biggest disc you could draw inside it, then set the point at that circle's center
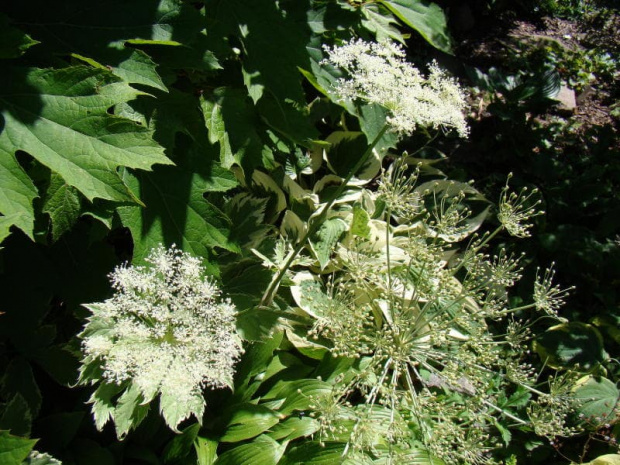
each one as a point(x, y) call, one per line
point(378, 73)
point(516, 210)
point(165, 331)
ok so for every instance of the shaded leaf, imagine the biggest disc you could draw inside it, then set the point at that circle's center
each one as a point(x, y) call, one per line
point(176, 213)
point(570, 344)
point(13, 41)
point(62, 203)
point(181, 445)
point(16, 416)
point(100, 30)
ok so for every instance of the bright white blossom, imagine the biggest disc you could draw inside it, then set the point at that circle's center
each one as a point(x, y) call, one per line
point(378, 73)
point(165, 331)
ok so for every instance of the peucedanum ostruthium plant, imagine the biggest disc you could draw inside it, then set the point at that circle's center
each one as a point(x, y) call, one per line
point(441, 357)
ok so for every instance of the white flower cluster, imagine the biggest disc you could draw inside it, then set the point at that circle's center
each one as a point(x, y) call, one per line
point(378, 73)
point(167, 331)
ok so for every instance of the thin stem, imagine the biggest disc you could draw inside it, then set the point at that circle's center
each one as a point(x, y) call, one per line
point(316, 224)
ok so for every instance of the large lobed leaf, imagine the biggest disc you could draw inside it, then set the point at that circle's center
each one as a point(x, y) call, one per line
point(60, 117)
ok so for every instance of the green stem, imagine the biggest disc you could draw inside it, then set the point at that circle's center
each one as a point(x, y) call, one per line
point(316, 224)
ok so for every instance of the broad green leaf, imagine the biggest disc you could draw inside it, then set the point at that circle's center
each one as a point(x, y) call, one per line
point(315, 453)
point(60, 118)
point(360, 223)
point(181, 445)
point(326, 239)
point(262, 451)
point(206, 450)
point(231, 121)
point(372, 120)
point(13, 42)
point(248, 421)
point(62, 203)
point(13, 449)
point(269, 70)
point(299, 394)
point(138, 68)
point(176, 212)
point(263, 27)
point(425, 17)
point(380, 22)
point(17, 193)
point(247, 214)
point(597, 400)
point(345, 151)
point(570, 344)
point(294, 427)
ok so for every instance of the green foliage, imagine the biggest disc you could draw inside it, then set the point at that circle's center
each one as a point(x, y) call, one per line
point(215, 126)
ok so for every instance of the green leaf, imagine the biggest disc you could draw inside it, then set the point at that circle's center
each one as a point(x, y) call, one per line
point(360, 223)
point(103, 406)
point(16, 416)
point(372, 120)
point(326, 239)
point(18, 378)
point(62, 203)
point(100, 31)
point(570, 344)
point(13, 449)
point(597, 400)
point(345, 150)
point(294, 427)
point(13, 42)
point(129, 412)
point(425, 17)
point(181, 445)
point(231, 121)
point(262, 451)
point(206, 450)
point(315, 453)
point(380, 22)
point(60, 118)
point(248, 421)
point(176, 213)
point(175, 411)
point(298, 394)
point(607, 459)
point(17, 193)
point(138, 68)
